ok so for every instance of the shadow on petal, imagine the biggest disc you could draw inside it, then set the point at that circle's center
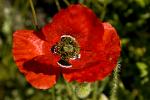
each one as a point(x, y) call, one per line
point(41, 71)
point(41, 64)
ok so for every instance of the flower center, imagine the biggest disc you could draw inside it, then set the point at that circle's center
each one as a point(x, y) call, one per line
point(67, 48)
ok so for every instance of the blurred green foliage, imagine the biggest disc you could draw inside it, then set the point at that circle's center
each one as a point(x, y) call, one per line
point(131, 18)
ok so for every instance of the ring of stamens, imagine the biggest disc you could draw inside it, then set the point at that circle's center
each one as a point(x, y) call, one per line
point(67, 48)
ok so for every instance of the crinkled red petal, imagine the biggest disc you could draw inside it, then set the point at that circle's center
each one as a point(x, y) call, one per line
point(77, 21)
point(41, 81)
point(104, 61)
point(27, 45)
point(41, 72)
point(83, 60)
point(28, 51)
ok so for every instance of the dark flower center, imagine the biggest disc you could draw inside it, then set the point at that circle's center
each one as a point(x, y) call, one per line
point(67, 48)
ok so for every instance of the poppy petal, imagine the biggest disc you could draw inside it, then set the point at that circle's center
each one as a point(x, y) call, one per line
point(41, 81)
point(77, 21)
point(27, 45)
point(33, 57)
point(82, 60)
point(104, 61)
point(41, 73)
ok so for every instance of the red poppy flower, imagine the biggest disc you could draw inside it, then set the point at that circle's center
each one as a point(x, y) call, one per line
point(75, 44)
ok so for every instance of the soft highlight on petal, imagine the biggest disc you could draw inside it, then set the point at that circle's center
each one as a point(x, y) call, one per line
point(27, 45)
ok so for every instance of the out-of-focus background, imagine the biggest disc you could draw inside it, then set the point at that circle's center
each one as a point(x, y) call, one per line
point(131, 18)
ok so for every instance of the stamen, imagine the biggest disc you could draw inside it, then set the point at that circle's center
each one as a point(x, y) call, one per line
point(76, 57)
point(53, 49)
point(68, 49)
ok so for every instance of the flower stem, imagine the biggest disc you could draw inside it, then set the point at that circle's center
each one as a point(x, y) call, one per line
point(67, 2)
point(104, 9)
point(58, 5)
point(70, 91)
point(34, 14)
point(115, 82)
point(103, 85)
point(53, 93)
point(94, 96)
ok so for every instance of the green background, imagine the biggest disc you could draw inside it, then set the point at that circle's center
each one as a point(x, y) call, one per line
point(131, 18)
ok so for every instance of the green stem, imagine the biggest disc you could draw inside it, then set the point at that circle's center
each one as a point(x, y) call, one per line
point(104, 9)
point(103, 85)
point(71, 91)
point(115, 82)
point(24, 10)
point(53, 94)
point(67, 2)
point(33, 14)
point(58, 5)
point(94, 97)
